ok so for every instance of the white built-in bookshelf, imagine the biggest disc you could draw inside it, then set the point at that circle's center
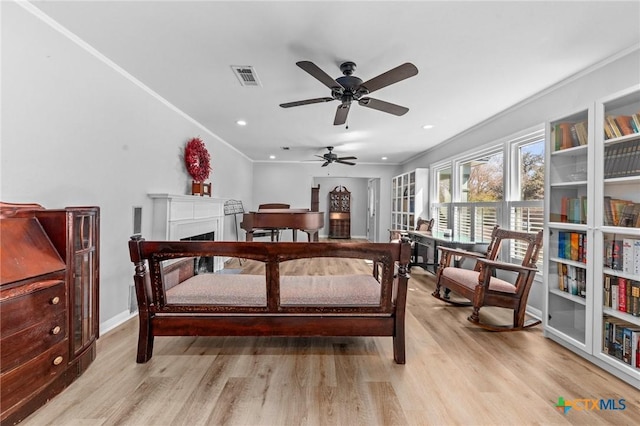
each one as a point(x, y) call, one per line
point(592, 233)
point(408, 199)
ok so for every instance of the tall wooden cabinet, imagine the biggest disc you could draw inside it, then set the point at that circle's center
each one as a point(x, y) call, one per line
point(48, 303)
point(592, 173)
point(409, 199)
point(340, 213)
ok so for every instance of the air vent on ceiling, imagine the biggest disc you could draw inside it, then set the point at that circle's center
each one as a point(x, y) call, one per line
point(246, 75)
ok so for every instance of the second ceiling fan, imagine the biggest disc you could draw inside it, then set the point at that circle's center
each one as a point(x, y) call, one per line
point(349, 88)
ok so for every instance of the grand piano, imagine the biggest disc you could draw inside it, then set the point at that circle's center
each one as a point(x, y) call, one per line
point(278, 219)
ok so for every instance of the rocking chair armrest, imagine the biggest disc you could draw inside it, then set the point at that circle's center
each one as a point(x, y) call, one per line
point(496, 264)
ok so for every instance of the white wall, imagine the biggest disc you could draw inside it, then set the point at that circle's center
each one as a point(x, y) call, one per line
point(292, 182)
point(77, 132)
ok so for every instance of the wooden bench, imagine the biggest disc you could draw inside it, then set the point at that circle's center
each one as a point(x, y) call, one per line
point(172, 301)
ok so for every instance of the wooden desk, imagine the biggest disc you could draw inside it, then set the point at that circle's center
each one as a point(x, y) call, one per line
point(426, 243)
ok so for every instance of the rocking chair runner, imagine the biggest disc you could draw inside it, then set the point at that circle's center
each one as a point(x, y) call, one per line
point(483, 288)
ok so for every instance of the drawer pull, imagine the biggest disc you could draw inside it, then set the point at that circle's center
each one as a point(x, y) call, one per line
point(55, 300)
point(56, 329)
point(58, 360)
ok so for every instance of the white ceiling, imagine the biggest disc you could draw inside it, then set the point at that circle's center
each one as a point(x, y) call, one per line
point(475, 59)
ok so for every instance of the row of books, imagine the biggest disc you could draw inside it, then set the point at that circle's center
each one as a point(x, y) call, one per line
point(568, 134)
point(572, 279)
point(573, 210)
point(621, 125)
point(622, 340)
point(572, 246)
point(622, 255)
point(618, 212)
point(622, 159)
point(621, 294)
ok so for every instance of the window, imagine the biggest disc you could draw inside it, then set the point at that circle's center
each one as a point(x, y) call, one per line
point(502, 184)
point(481, 179)
point(530, 160)
point(526, 212)
point(443, 195)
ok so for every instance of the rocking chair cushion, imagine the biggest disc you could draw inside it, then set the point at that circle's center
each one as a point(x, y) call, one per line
point(469, 279)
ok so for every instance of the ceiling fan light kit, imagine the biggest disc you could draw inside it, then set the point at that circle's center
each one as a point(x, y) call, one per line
point(349, 88)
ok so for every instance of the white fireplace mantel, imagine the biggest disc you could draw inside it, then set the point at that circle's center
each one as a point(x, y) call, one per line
point(181, 216)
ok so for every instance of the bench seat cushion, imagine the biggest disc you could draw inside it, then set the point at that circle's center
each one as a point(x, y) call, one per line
point(250, 290)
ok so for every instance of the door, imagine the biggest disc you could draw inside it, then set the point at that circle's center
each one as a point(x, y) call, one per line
point(373, 189)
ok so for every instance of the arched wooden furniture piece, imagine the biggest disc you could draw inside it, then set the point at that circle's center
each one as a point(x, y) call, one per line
point(482, 285)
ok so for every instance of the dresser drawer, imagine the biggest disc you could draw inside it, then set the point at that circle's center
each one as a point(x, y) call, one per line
point(20, 347)
point(21, 382)
point(24, 311)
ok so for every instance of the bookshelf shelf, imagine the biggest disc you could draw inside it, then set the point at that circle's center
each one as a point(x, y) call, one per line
point(575, 299)
point(408, 199)
point(601, 179)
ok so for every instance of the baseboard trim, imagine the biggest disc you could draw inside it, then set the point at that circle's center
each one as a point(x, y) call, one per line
point(115, 321)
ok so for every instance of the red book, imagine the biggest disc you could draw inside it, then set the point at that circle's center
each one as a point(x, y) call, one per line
point(622, 294)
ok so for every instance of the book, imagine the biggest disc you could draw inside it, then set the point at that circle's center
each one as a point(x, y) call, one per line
point(627, 255)
point(635, 298)
point(616, 255)
point(606, 288)
point(581, 130)
point(622, 295)
point(627, 337)
point(608, 214)
point(613, 126)
point(575, 238)
point(561, 277)
point(635, 348)
point(636, 257)
point(624, 124)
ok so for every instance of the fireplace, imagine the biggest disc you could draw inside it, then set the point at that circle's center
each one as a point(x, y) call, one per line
point(203, 265)
point(184, 217)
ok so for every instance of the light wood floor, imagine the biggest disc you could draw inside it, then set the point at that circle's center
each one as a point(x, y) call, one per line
point(455, 374)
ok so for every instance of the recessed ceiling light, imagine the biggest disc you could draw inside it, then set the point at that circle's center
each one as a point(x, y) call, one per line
point(241, 123)
point(427, 126)
point(384, 158)
point(272, 157)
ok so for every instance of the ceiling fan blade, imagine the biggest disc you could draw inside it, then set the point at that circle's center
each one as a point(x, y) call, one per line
point(346, 162)
point(341, 114)
point(347, 158)
point(318, 74)
point(326, 163)
point(305, 102)
point(394, 75)
point(383, 106)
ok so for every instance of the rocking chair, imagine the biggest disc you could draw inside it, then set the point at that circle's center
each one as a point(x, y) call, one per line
point(483, 287)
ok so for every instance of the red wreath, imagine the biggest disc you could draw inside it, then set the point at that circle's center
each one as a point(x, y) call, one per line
point(197, 160)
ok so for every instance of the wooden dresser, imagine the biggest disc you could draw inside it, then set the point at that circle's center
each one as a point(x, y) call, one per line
point(48, 303)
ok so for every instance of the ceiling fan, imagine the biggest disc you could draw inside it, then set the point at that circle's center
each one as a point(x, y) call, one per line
point(350, 88)
point(330, 157)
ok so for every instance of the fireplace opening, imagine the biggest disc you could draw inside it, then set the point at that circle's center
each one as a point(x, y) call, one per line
point(202, 264)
